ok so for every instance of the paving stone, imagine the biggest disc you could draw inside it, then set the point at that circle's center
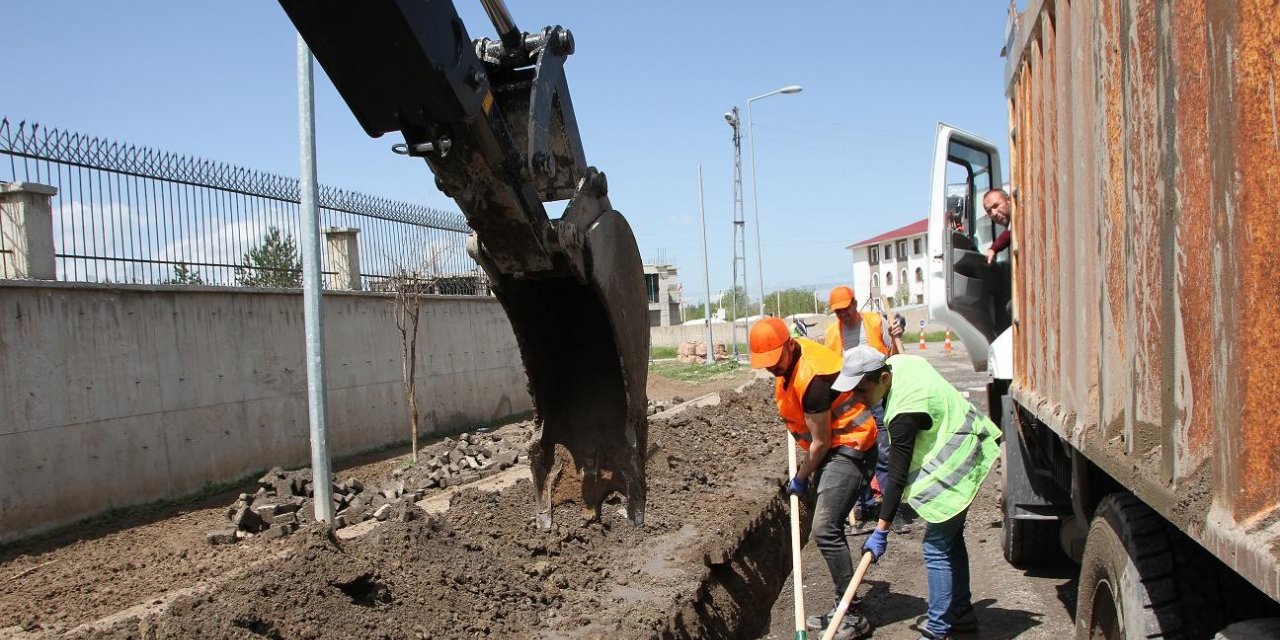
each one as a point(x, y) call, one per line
point(276, 532)
point(455, 456)
point(382, 512)
point(505, 459)
point(268, 479)
point(283, 487)
point(246, 519)
point(355, 485)
point(221, 536)
point(266, 511)
point(285, 518)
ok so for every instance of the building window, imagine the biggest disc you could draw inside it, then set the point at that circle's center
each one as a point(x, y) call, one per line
point(903, 281)
point(916, 247)
point(902, 250)
point(651, 285)
point(920, 299)
point(875, 281)
point(888, 253)
point(888, 278)
point(873, 255)
point(919, 274)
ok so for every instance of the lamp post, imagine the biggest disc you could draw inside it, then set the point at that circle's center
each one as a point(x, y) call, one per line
point(755, 198)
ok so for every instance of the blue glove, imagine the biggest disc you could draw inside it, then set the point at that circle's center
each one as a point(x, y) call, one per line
point(877, 543)
point(798, 487)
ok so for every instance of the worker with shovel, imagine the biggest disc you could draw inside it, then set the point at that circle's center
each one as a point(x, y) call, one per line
point(941, 449)
point(838, 436)
point(850, 330)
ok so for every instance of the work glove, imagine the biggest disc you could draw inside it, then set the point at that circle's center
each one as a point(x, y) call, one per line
point(899, 325)
point(798, 487)
point(876, 543)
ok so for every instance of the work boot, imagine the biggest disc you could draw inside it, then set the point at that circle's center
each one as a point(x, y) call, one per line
point(854, 624)
point(861, 522)
point(852, 627)
point(900, 526)
point(965, 621)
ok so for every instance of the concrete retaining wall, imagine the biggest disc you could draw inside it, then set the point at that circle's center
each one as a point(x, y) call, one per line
point(112, 396)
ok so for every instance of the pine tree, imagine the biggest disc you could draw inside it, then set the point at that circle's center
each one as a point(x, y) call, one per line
point(273, 263)
point(183, 274)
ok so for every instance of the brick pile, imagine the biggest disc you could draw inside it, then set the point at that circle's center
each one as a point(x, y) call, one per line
point(696, 352)
point(284, 498)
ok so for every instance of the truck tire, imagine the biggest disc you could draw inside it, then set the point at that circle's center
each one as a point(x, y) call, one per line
point(1136, 578)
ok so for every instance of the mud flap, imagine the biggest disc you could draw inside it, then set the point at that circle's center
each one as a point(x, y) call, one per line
point(584, 337)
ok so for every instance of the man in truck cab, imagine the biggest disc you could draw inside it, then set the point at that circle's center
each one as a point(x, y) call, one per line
point(851, 329)
point(941, 449)
point(838, 436)
point(996, 204)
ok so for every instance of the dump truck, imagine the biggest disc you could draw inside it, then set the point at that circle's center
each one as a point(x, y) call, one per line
point(1131, 329)
point(493, 119)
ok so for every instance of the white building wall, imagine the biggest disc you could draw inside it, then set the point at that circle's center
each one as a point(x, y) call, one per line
point(863, 270)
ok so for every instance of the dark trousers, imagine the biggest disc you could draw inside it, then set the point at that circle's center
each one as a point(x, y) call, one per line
point(840, 479)
point(867, 501)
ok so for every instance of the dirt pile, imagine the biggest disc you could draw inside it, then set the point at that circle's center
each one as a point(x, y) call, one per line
point(707, 562)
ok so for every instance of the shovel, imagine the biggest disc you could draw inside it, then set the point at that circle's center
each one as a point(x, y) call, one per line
point(797, 586)
point(845, 600)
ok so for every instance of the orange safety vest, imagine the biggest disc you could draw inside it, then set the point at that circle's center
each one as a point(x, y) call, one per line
point(872, 325)
point(851, 423)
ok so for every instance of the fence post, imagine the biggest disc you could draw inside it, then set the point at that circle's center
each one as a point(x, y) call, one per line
point(344, 257)
point(27, 223)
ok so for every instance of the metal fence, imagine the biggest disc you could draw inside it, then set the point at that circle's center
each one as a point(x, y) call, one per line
point(131, 214)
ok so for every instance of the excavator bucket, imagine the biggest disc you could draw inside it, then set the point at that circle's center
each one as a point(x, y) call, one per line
point(495, 122)
point(584, 337)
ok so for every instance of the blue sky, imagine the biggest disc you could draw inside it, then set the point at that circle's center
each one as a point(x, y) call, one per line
point(845, 159)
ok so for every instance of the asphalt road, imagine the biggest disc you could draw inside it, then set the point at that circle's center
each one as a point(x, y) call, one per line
point(1011, 603)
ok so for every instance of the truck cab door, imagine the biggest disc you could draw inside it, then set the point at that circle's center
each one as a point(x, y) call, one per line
point(964, 291)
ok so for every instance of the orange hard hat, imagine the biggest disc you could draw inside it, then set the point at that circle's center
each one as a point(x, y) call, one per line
point(841, 297)
point(767, 338)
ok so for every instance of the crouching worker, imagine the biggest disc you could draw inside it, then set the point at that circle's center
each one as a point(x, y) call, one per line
point(941, 449)
point(838, 436)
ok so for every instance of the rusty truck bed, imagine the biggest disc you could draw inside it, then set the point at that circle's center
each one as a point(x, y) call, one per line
point(1145, 164)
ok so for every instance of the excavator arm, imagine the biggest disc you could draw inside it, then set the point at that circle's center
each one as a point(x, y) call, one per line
point(494, 121)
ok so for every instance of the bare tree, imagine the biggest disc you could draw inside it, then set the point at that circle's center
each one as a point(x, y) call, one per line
point(408, 306)
point(410, 286)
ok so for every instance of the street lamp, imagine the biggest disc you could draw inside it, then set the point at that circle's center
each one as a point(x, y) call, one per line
point(755, 198)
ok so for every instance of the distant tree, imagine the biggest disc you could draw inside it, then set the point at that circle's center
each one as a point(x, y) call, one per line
point(694, 312)
point(183, 274)
point(793, 301)
point(735, 306)
point(273, 263)
point(903, 297)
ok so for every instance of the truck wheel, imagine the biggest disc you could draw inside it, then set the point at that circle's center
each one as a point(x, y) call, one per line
point(1131, 579)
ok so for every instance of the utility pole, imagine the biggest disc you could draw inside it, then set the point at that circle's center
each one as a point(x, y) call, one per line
point(706, 272)
point(739, 231)
point(317, 411)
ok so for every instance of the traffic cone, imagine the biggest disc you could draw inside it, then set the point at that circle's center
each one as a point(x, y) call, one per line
point(922, 344)
point(946, 344)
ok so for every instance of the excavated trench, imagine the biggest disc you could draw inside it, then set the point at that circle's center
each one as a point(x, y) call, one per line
point(709, 561)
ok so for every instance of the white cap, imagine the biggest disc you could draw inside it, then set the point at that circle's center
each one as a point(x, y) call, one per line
point(858, 362)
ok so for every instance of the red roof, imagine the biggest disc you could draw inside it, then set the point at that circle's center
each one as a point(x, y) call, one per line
point(915, 228)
